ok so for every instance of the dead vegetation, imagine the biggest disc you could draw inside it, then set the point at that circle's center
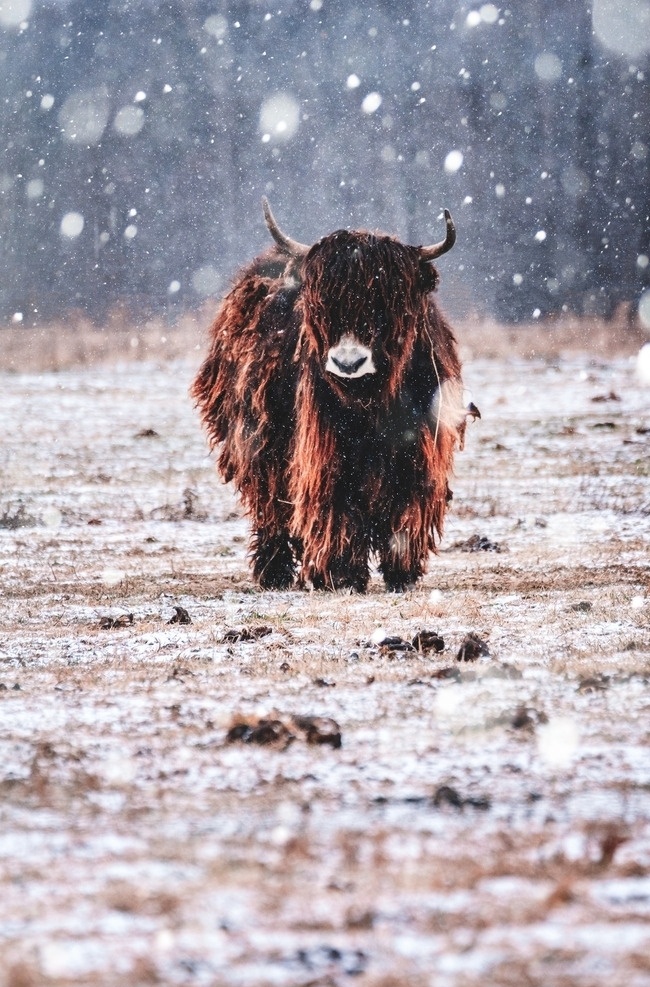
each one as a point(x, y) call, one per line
point(206, 784)
point(76, 342)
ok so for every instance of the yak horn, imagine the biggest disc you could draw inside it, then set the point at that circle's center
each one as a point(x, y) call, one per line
point(437, 249)
point(284, 242)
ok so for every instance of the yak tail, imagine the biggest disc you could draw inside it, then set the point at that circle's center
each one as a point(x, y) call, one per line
point(448, 412)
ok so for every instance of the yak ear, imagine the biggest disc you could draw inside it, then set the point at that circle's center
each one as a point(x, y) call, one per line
point(291, 275)
point(429, 277)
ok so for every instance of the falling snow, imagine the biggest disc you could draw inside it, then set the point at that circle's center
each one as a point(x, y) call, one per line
point(453, 161)
point(72, 224)
point(279, 117)
point(371, 102)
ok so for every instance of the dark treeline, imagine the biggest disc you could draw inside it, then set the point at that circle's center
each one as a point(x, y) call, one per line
point(138, 138)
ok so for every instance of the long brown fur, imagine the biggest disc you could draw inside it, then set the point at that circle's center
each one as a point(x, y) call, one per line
point(334, 471)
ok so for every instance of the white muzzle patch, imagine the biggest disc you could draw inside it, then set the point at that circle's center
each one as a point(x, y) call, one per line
point(350, 358)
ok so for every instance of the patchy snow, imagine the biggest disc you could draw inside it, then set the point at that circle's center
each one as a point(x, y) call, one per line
point(484, 820)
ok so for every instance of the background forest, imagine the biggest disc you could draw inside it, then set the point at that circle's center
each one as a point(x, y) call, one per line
point(138, 138)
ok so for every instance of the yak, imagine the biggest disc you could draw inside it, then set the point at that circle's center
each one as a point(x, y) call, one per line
point(333, 390)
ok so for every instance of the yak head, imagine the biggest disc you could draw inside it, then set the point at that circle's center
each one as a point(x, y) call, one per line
point(363, 301)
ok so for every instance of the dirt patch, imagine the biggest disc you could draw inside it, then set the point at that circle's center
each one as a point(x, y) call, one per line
point(206, 784)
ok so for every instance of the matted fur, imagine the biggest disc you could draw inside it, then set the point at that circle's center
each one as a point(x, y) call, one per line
point(333, 471)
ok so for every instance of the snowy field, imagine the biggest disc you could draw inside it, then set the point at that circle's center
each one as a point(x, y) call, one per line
point(482, 823)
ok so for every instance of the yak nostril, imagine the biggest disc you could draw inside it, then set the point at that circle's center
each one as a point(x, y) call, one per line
point(349, 367)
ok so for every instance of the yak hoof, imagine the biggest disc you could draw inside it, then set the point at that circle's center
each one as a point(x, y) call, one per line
point(276, 580)
point(400, 585)
point(273, 562)
point(335, 583)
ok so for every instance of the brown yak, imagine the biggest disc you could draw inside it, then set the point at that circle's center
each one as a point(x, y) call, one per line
point(333, 388)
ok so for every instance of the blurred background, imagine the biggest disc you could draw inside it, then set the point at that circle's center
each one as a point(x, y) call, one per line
point(138, 137)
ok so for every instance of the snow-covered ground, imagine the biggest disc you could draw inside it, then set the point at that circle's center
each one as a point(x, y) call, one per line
point(490, 825)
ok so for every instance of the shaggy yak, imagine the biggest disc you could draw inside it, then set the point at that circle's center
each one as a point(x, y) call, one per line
point(333, 388)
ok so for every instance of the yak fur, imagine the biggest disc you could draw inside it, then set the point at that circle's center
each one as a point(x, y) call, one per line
point(331, 471)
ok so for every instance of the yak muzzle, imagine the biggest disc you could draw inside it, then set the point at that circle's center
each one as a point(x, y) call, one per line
point(350, 358)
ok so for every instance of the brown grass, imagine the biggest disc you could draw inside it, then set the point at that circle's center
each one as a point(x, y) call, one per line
point(551, 338)
point(76, 342)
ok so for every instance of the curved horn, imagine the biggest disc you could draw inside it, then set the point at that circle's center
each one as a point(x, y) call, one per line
point(437, 249)
point(284, 242)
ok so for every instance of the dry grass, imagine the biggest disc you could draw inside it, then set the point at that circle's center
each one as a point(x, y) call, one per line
point(75, 342)
point(552, 338)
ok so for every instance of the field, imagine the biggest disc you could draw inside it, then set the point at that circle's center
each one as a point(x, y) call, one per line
point(483, 822)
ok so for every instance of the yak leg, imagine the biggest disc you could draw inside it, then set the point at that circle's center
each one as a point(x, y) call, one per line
point(273, 559)
point(346, 566)
point(398, 580)
point(342, 573)
point(408, 530)
point(403, 552)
